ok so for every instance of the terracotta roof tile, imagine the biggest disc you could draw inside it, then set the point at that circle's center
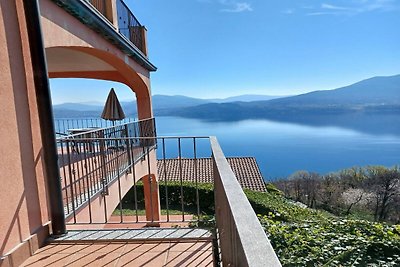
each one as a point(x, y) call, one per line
point(245, 168)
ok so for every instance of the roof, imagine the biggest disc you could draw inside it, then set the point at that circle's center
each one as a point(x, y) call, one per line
point(245, 168)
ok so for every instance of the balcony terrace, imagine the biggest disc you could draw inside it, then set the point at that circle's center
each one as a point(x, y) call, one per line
point(100, 166)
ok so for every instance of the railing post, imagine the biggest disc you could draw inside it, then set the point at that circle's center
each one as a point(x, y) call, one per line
point(128, 147)
point(111, 12)
point(143, 33)
point(152, 199)
point(103, 166)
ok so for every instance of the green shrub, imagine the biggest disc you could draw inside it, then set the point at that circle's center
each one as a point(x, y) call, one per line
point(271, 188)
point(172, 192)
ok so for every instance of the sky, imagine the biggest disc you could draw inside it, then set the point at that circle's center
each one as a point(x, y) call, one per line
point(222, 48)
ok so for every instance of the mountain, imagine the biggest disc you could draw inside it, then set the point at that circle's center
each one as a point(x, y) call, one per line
point(175, 101)
point(373, 91)
point(78, 107)
point(161, 104)
point(245, 98)
point(374, 95)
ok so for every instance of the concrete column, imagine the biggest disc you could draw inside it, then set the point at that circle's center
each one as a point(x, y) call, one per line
point(151, 199)
point(144, 108)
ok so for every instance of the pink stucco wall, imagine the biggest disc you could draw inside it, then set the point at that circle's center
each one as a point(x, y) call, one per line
point(23, 195)
point(22, 191)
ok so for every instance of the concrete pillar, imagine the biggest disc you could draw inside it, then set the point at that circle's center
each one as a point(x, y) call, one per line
point(144, 108)
point(151, 199)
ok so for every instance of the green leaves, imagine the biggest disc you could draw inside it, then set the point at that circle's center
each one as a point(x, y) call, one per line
point(306, 237)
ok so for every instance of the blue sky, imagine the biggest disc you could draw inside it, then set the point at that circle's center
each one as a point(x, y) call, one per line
point(221, 48)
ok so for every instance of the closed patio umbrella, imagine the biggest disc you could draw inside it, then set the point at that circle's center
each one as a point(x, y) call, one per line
point(112, 110)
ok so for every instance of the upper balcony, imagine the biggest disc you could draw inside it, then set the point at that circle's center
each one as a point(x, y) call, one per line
point(114, 21)
point(125, 21)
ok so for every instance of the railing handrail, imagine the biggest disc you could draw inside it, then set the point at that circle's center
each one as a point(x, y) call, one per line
point(74, 136)
point(130, 138)
point(245, 244)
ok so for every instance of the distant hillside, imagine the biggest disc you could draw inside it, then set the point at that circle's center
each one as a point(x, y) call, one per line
point(161, 105)
point(77, 107)
point(379, 94)
point(245, 98)
point(79, 110)
point(175, 101)
point(373, 91)
point(374, 95)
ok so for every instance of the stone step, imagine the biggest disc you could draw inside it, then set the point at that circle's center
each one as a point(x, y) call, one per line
point(135, 235)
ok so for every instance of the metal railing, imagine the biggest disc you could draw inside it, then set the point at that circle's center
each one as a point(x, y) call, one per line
point(91, 160)
point(129, 26)
point(64, 127)
point(124, 169)
point(90, 165)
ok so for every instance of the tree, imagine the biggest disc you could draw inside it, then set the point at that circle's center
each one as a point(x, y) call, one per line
point(352, 181)
point(331, 193)
point(384, 184)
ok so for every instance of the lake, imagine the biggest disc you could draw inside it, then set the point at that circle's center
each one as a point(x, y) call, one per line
point(282, 148)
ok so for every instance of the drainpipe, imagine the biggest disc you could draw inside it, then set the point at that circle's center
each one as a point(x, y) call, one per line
point(43, 99)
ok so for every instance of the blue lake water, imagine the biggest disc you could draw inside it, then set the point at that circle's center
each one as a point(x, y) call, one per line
point(282, 148)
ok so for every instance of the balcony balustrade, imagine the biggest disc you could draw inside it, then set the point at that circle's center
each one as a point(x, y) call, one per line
point(100, 5)
point(128, 25)
point(99, 163)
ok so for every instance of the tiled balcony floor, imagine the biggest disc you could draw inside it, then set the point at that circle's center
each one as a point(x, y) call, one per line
point(194, 253)
point(128, 247)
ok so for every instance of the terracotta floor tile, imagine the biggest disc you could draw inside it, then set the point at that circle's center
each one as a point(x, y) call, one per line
point(103, 248)
point(43, 260)
point(147, 247)
point(124, 254)
point(95, 259)
point(61, 248)
point(156, 259)
point(190, 246)
point(193, 258)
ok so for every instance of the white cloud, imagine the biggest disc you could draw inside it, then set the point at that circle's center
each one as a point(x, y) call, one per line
point(232, 6)
point(334, 7)
point(288, 11)
point(237, 7)
point(355, 7)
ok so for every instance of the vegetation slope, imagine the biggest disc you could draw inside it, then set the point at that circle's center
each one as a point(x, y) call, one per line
point(301, 236)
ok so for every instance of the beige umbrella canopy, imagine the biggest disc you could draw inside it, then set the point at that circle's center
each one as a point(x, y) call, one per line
point(112, 110)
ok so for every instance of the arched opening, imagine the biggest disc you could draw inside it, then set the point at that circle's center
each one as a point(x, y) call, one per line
point(91, 63)
point(99, 168)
